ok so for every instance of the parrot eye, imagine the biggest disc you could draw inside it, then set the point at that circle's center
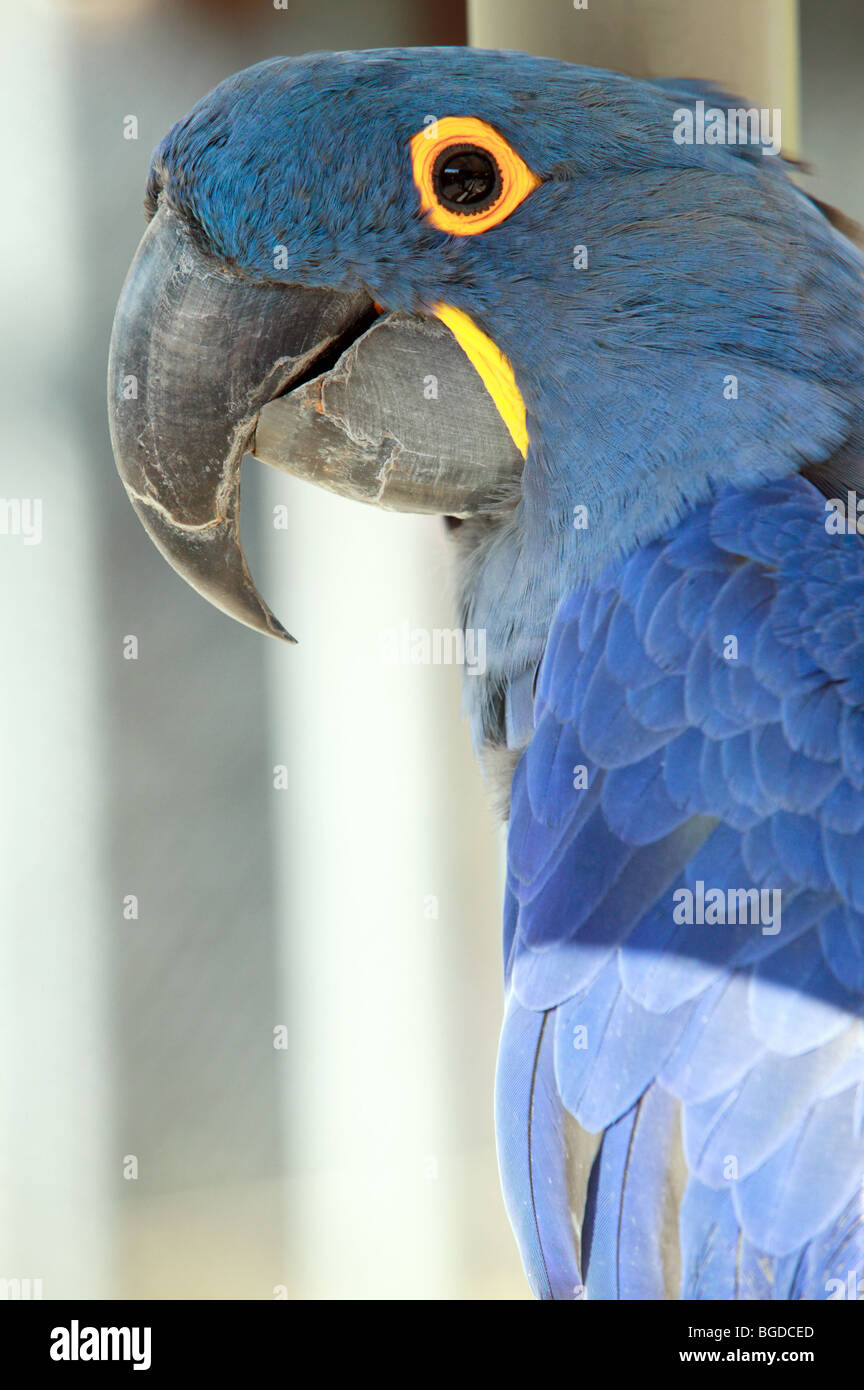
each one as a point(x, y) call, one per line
point(466, 179)
point(468, 176)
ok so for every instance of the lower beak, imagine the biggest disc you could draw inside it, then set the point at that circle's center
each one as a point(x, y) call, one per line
point(206, 365)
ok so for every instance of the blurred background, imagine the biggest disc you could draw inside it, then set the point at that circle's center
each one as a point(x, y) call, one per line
point(249, 960)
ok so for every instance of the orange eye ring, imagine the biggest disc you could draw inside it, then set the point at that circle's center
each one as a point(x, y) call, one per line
point(503, 178)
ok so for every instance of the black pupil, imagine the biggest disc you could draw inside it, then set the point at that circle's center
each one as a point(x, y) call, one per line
point(466, 178)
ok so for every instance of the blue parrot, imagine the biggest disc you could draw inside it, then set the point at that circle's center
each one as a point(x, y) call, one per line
point(647, 439)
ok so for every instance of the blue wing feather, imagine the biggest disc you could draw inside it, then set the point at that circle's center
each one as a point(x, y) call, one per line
point(716, 1066)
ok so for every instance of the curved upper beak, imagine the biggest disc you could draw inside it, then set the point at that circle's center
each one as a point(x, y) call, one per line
point(206, 365)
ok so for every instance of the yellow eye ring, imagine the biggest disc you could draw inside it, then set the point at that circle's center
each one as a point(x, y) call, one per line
point(468, 177)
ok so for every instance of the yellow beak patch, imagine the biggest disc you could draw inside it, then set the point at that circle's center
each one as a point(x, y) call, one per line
point(493, 368)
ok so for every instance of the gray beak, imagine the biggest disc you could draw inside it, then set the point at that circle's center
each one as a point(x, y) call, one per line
point(206, 366)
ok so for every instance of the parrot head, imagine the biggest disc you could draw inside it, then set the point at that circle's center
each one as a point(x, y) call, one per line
point(486, 285)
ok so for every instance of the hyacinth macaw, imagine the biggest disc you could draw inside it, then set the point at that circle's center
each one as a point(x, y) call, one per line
point(650, 360)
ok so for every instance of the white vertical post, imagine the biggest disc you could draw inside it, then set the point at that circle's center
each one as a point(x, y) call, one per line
point(750, 48)
point(55, 1149)
point(390, 894)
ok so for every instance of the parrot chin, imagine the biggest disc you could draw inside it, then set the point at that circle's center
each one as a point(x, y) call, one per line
point(207, 365)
